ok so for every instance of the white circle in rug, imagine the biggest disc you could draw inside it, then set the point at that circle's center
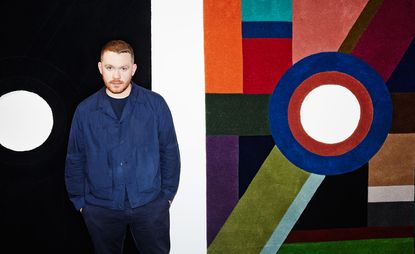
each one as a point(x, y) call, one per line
point(26, 120)
point(330, 113)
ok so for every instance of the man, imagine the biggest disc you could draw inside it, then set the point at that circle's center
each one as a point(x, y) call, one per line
point(122, 165)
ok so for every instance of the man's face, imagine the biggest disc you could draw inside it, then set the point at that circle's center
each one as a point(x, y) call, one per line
point(117, 71)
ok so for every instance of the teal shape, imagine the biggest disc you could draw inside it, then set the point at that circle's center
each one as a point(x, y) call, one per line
point(267, 10)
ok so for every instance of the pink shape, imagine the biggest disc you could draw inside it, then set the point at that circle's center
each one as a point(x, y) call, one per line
point(321, 26)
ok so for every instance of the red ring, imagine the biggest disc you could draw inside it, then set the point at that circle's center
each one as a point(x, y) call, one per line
point(316, 80)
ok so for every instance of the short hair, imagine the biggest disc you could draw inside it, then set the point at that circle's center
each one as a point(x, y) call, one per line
point(118, 46)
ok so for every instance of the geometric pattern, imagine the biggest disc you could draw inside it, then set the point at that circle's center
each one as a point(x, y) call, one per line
point(251, 47)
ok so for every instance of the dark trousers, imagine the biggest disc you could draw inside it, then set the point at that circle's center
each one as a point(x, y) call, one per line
point(149, 225)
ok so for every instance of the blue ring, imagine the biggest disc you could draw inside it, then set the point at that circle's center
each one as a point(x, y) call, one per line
point(358, 156)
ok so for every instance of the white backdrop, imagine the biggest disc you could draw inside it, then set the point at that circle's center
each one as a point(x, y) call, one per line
point(178, 75)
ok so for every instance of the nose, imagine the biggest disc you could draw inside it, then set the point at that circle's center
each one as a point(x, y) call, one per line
point(116, 74)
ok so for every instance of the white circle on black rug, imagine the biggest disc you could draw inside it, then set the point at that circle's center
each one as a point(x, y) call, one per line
point(26, 120)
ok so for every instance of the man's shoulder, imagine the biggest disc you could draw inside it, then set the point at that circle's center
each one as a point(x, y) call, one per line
point(147, 93)
point(90, 101)
point(149, 96)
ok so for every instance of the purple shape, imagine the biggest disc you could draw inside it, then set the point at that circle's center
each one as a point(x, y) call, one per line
point(402, 79)
point(388, 36)
point(222, 156)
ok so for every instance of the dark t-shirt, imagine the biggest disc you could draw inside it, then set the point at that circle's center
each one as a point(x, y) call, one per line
point(118, 105)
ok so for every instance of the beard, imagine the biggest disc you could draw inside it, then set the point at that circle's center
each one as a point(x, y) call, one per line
point(117, 86)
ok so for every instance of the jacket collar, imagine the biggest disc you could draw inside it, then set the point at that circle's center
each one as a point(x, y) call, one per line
point(136, 96)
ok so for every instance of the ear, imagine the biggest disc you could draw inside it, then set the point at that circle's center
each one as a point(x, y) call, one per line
point(100, 67)
point(134, 69)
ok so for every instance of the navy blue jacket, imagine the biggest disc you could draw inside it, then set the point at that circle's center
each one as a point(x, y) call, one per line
point(137, 154)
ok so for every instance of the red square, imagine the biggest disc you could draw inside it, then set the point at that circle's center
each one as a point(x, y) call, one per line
point(265, 60)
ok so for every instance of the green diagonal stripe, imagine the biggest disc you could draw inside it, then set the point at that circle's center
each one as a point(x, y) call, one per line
point(259, 211)
point(237, 114)
point(378, 246)
point(293, 214)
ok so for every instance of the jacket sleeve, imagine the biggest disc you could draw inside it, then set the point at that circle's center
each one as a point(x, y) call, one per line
point(75, 163)
point(169, 152)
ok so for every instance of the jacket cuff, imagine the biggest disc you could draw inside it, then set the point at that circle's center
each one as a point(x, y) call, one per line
point(168, 195)
point(78, 203)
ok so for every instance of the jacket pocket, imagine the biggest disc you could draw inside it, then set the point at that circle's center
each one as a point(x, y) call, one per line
point(99, 175)
point(148, 173)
